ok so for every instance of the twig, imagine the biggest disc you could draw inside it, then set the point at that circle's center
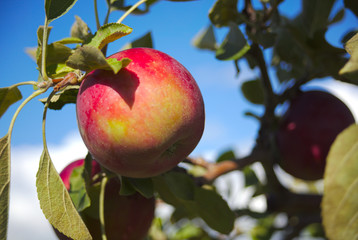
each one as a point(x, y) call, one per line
point(215, 170)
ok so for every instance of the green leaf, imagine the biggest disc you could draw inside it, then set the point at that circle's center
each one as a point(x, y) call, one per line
point(253, 91)
point(234, 45)
point(179, 190)
point(126, 187)
point(351, 45)
point(8, 96)
point(223, 12)
point(144, 41)
point(315, 15)
point(350, 69)
point(264, 228)
point(70, 40)
point(181, 185)
point(142, 185)
point(227, 155)
point(213, 209)
point(55, 201)
point(88, 58)
point(205, 39)
point(4, 184)
point(352, 5)
point(250, 177)
point(40, 34)
point(63, 97)
point(109, 33)
point(339, 204)
point(81, 30)
point(57, 53)
point(57, 8)
point(78, 191)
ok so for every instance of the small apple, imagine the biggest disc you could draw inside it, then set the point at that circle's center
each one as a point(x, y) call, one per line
point(125, 217)
point(143, 120)
point(307, 131)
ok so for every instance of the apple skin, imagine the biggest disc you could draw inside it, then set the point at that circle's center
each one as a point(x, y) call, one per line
point(307, 131)
point(126, 217)
point(143, 120)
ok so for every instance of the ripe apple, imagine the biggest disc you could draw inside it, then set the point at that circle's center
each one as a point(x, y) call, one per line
point(143, 120)
point(308, 129)
point(125, 217)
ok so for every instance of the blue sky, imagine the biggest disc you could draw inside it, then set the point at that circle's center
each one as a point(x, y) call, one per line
point(173, 25)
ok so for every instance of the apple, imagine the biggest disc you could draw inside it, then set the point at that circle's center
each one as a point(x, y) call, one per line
point(307, 130)
point(125, 217)
point(143, 120)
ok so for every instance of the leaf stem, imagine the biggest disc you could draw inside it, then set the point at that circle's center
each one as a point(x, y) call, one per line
point(101, 206)
point(131, 9)
point(44, 51)
point(98, 24)
point(32, 96)
point(44, 119)
point(25, 83)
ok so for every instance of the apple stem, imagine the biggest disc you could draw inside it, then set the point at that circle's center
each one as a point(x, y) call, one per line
point(130, 10)
point(101, 206)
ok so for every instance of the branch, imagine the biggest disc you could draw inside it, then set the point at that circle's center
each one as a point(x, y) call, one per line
point(215, 170)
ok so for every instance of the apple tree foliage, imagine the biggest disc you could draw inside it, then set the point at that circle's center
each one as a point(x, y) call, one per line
point(298, 53)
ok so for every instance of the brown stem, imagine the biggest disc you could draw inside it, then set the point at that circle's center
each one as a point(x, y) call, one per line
point(215, 170)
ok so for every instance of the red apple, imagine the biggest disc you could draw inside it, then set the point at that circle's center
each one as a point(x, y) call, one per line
point(125, 217)
point(307, 131)
point(143, 120)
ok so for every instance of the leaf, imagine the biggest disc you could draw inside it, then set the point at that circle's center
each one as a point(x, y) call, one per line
point(223, 12)
point(70, 40)
point(253, 91)
point(250, 177)
point(181, 185)
point(144, 41)
point(352, 5)
point(63, 97)
point(315, 15)
point(339, 204)
point(81, 30)
point(205, 39)
point(4, 184)
point(57, 8)
point(40, 34)
point(57, 53)
point(78, 191)
point(8, 96)
point(88, 58)
point(234, 45)
point(213, 209)
point(179, 190)
point(352, 44)
point(350, 69)
point(227, 155)
point(109, 33)
point(142, 185)
point(56, 203)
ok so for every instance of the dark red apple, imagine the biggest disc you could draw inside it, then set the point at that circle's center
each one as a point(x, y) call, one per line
point(126, 217)
point(307, 131)
point(143, 120)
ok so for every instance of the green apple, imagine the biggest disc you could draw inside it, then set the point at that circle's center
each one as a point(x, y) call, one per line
point(143, 120)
